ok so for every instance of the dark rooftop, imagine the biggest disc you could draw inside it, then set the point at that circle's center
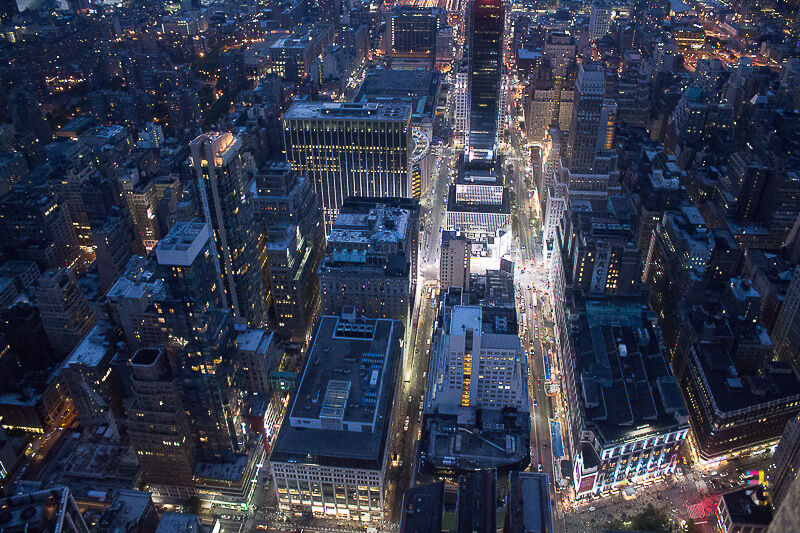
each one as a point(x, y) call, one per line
point(340, 410)
point(625, 383)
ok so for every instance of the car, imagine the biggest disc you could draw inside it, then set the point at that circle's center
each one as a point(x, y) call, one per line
point(530, 305)
point(536, 335)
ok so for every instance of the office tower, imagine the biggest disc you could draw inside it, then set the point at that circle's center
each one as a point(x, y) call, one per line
point(39, 228)
point(115, 243)
point(485, 47)
point(291, 220)
point(350, 150)
point(479, 361)
point(412, 31)
point(259, 353)
point(158, 428)
point(65, 313)
point(331, 454)
point(599, 20)
point(224, 179)
point(786, 334)
point(476, 508)
point(455, 258)
point(542, 103)
point(785, 463)
point(604, 252)
point(742, 187)
point(292, 57)
point(371, 260)
point(559, 49)
point(150, 201)
point(592, 127)
point(529, 505)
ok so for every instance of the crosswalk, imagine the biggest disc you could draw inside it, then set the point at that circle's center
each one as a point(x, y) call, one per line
point(700, 511)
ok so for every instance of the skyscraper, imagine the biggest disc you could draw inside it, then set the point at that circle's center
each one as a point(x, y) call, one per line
point(599, 20)
point(158, 427)
point(350, 150)
point(485, 65)
point(289, 213)
point(224, 184)
point(593, 118)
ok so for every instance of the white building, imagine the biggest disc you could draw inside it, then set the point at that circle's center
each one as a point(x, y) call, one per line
point(599, 21)
point(478, 361)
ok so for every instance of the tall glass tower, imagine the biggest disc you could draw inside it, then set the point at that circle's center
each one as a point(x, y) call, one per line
point(485, 64)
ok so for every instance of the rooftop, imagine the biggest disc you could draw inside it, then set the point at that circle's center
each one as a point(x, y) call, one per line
point(93, 348)
point(625, 383)
point(341, 408)
point(529, 503)
point(731, 392)
point(182, 244)
point(347, 111)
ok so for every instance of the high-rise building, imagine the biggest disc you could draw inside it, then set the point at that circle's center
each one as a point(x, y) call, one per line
point(455, 258)
point(200, 341)
point(158, 428)
point(291, 219)
point(224, 179)
point(412, 31)
point(371, 260)
point(732, 413)
point(331, 455)
point(461, 95)
point(785, 463)
point(485, 47)
point(66, 315)
point(481, 361)
point(593, 119)
point(599, 20)
point(329, 11)
point(350, 150)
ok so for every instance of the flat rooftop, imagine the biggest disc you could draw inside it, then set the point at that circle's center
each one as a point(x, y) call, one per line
point(348, 385)
point(776, 382)
point(625, 383)
point(93, 348)
point(347, 111)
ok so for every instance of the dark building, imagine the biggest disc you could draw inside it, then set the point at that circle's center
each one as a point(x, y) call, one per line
point(38, 227)
point(732, 413)
point(412, 31)
point(224, 181)
point(158, 428)
point(785, 463)
point(485, 65)
point(291, 221)
point(371, 258)
point(476, 509)
point(422, 509)
point(529, 505)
